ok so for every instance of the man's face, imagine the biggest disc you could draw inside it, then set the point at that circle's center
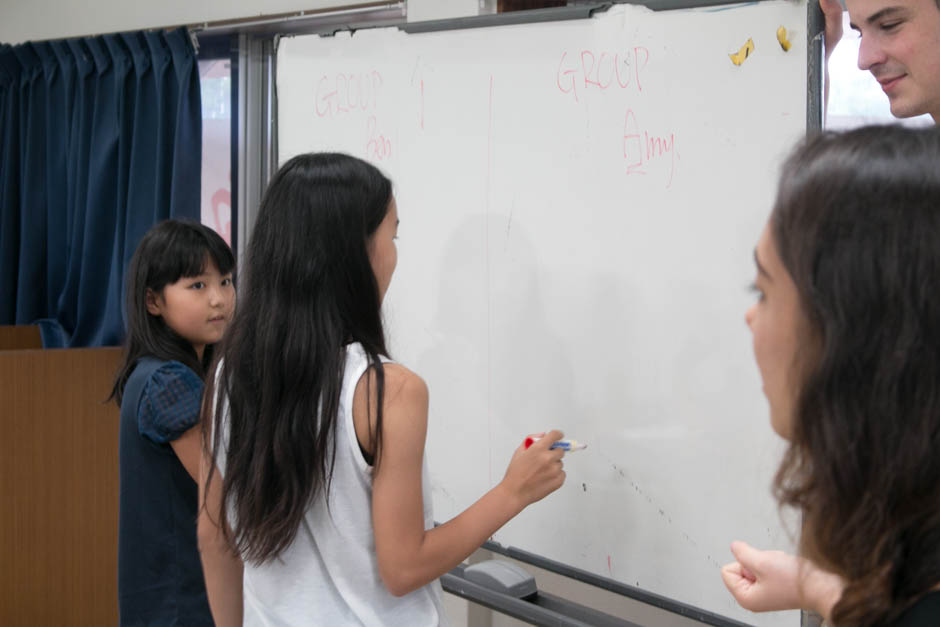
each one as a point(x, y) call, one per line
point(900, 46)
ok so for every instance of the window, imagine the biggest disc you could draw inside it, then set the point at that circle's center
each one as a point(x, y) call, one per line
point(855, 98)
point(215, 76)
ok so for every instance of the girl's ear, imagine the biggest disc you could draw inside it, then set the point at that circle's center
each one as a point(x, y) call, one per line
point(153, 302)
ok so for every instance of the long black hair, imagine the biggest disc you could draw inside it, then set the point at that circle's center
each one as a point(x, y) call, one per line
point(168, 252)
point(307, 290)
point(857, 226)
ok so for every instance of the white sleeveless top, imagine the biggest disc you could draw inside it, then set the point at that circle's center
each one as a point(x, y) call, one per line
point(329, 575)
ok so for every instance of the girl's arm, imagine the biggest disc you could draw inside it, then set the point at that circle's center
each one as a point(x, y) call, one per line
point(169, 413)
point(221, 567)
point(408, 555)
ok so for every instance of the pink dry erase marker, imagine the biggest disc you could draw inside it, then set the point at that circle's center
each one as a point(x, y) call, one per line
point(566, 445)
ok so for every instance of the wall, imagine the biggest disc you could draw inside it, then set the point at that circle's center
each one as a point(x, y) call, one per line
point(53, 19)
point(441, 9)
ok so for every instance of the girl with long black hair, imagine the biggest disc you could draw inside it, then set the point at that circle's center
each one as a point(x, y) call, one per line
point(317, 508)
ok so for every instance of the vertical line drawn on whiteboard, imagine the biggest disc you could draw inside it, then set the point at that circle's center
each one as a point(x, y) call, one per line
point(489, 295)
point(418, 74)
point(512, 210)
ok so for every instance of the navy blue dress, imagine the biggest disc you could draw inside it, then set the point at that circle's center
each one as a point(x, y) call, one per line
point(160, 580)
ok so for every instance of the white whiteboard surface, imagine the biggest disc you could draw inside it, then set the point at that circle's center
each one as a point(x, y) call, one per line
point(579, 202)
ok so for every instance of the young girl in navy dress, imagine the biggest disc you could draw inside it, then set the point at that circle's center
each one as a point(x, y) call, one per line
point(180, 298)
point(316, 475)
point(847, 340)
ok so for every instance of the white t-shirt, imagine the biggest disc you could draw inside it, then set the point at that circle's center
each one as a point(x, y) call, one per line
point(329, 575)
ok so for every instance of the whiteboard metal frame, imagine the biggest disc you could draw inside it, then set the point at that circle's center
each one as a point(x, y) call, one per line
point(815, 73)
point(256, 132)
point(393, 14)
point(257, 119)
point(543, 609)
point(611, 585)
point(814, 20)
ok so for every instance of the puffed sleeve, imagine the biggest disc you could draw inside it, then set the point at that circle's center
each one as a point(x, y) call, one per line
point(169, 405)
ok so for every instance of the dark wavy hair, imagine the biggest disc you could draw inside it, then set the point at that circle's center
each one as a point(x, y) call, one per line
point(169, 251)
point(307, 290)
point(857, 225)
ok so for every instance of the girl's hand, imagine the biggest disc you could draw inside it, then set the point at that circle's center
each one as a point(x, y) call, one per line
point(535, 472)
point(763, 581)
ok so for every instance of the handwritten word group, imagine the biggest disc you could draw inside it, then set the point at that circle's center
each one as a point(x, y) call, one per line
point(601, 70)
point(345, 93)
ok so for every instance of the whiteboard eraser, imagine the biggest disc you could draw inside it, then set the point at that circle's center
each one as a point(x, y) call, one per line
point(502, 577)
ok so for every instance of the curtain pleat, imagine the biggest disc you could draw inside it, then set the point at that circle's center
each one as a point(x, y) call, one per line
point(100, 138)
point(9, 181)
point(32, 262)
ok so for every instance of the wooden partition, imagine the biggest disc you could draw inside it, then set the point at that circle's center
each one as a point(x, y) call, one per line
point(19, 337)
point(58, 488)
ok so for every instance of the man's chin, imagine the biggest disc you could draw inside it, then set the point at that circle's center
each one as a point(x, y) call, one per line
point(903, 109)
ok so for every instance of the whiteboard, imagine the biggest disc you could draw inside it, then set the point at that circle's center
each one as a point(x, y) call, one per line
point(579, 202)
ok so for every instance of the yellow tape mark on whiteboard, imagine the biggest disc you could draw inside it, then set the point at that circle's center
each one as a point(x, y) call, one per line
point(738, 57)
point(782, 38)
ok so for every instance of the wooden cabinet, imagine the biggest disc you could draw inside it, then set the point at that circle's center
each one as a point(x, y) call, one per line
point(58, 488)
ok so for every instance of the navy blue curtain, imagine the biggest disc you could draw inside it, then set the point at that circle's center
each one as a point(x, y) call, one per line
point(100, 138)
